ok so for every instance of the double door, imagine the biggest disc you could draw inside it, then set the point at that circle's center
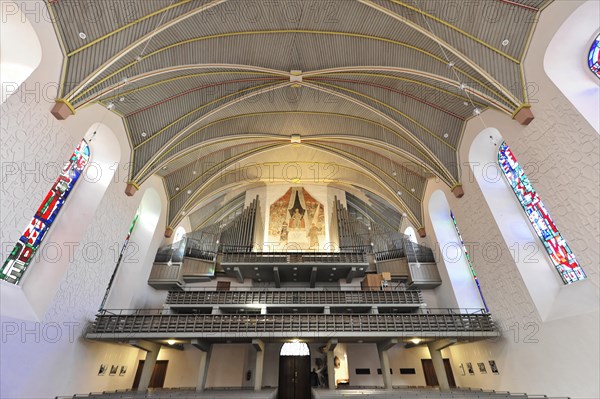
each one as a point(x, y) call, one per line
point(294, 377)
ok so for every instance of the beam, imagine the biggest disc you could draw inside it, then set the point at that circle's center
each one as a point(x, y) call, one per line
point(313, 277)
point(384, 359)
point(238, 275)
point(277, 277)
point(205, 352)
point(350, 275)
point(260, 361)
point(152, 349)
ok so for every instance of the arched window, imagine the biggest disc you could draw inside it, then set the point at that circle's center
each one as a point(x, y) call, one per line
point(179, 233)
point(410, 232)
point(594, 57)
point(17, 262)
point(468, 259)
point(560, 254)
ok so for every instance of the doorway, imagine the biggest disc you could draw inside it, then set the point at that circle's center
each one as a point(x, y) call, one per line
point(294, 377)
point(431, 377)
point(158, 374)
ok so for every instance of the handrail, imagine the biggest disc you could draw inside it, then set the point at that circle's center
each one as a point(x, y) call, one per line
point(294, 257)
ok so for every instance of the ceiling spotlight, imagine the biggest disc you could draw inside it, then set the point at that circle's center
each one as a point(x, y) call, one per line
point(258, 274)
point(394, 173)
point(451, 64)
point(194, 172)
point(82, 35)
point(171, 342)
point(445, 135)
point(177, 188)
point(476, 111)
point(334, 268)
point(399, 192)
point(189, 192)
point(505, 42)
point(144, 134)
point(256, 268)
point(412, 189)
point(295, 268)
point(122, 99)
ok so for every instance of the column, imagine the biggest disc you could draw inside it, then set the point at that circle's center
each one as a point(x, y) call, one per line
point(331, 363)
point(260, 361)
point(384, 359)
point(152, 349)
point(205, 351)
point(435, 349)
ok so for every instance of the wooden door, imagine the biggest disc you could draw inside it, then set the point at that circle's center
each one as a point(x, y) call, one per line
point(158, 374)
point(294, 377)
point(431, 377)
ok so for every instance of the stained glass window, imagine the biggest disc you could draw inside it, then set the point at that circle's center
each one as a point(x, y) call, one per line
point(17, 262)
point(594, 57)
point(468, 258)
point(562, 258)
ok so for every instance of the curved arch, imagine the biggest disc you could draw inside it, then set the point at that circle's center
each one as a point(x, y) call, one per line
point(16, 65)
point(565, 61)
point(411, 233)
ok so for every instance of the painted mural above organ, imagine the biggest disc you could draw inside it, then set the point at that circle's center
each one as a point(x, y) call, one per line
point(296, 222)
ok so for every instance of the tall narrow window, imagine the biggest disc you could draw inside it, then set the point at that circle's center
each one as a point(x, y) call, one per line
point(562, 258)
point(468, 258)
point(594, 57)
point(19, 259)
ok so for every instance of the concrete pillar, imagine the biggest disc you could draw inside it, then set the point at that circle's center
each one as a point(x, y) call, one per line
point(205, 352)
point(384, 359)
point(260, 361)
point(435, 349)
point(152, 349)
point(330, 370)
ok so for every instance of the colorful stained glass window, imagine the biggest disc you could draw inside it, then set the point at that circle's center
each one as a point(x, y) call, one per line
point(468, 258)
point(15, 266)
point(594, 57)
point(562, 258)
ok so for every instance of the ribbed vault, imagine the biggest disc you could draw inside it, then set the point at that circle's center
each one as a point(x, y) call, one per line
point(384, 87)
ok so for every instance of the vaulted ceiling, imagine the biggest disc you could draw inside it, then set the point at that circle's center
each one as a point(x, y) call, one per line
point(384, 87)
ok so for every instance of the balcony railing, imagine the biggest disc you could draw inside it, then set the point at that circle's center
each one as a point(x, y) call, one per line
point(145, 324)
point(293, 297)
point(294, 257)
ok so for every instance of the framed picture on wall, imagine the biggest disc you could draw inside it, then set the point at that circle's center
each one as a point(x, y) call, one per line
point(102, 369)
point(470, 368)
point(482, 369)
point(123, 371)
point(462, 369)
point(493, 366)
point(113, 369)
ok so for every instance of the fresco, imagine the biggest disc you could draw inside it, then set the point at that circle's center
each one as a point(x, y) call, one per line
point(296, 222)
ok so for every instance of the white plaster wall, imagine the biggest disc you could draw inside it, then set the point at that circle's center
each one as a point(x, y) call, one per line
point(559, 152)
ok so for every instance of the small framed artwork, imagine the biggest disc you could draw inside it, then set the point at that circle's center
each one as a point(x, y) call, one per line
point(113, 369)
point(482, 369)
point(462, 369)
point(493, 366)
point(123, 371)
point(102, 369)
point(470, 368)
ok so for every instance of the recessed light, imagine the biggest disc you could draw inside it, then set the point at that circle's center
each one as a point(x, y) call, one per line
point(404, 215)
point(450, 64)
point(189, 192)
point(295, 310)
point(445, 135)
point(361, 269)
point(412, 189)
point(229, 268)
point(505, 42)
point(295, 274)
point(256, 268)
point(394, 173)
point(465, 103)
point(258, 274)
point(334, 268)
point(177, 188)
point(82, 35)
point(194, 172)
point(122, 99)
point(295, 268)
point(399, 192)
point(144, 134)
point(331, 274)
